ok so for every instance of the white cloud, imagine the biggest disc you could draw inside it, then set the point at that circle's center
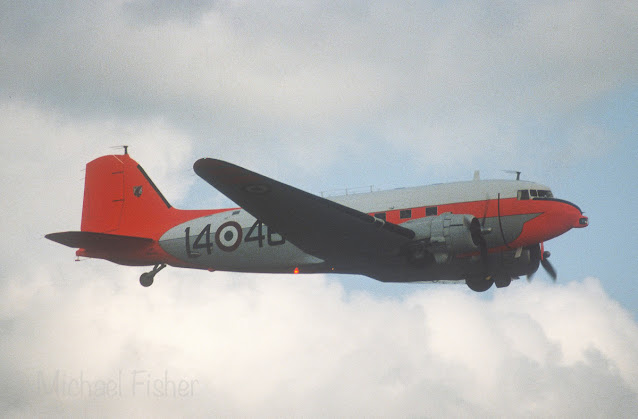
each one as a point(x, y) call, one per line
point(270, 345)
point(425, 78)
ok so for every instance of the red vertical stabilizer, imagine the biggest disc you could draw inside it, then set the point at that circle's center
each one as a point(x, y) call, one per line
point(120, 198)
point(124, 215)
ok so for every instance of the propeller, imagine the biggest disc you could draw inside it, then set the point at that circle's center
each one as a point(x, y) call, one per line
point(484, 259)
point(548, 266)
point(487, 203)
point(542, 256)
point(481, 237)
point(478, 232)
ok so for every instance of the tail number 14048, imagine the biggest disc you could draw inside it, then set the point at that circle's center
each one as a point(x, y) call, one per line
point(228, 237)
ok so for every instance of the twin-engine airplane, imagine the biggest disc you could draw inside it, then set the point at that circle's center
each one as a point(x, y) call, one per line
point(482, 231)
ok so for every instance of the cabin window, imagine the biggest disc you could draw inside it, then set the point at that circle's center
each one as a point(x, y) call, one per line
point(523, 194)
point(431, 211)
point(533, 193)
point(380, 215)
point(406, 213)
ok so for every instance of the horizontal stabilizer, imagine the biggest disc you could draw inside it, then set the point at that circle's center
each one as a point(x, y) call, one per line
point(90, 240)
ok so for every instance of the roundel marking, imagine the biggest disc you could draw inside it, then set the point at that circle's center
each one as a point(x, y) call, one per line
point(257, 188)
point(228, 236)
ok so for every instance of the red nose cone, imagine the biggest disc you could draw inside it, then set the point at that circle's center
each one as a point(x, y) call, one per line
point(560, 217)
point(570, 215)
point(556, 217)
point(582, 222)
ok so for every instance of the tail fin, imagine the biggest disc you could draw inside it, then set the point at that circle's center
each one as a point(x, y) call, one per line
point(124, 215)
point(120, 198)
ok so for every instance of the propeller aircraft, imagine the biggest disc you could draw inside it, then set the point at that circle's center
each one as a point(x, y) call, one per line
point(482, 232)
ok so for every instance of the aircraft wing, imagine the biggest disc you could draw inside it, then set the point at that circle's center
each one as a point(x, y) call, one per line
point(340, 235)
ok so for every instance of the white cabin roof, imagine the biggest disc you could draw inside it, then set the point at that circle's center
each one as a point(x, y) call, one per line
point(437, 194)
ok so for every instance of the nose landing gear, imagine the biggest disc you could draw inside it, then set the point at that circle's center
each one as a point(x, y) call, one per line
point(146, 279)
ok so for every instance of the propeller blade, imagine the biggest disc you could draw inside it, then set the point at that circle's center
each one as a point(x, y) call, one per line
point(487, 203)
point(478, 239)
point(549, 268)
point(483, 245)
point(539, 255)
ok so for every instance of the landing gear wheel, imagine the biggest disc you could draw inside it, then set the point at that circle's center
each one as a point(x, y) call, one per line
point(146, 279)
point(502, 281)
point(479, 284)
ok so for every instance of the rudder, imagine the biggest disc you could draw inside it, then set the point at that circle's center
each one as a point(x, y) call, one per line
point(120, 198)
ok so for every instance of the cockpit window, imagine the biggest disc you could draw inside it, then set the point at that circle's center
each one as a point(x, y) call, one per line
point(545, 194)
point(534, 193)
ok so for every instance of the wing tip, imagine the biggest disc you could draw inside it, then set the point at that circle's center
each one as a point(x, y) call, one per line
point(207, 163)
point(200, 163)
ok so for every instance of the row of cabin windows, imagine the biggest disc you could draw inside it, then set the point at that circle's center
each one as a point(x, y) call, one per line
point(534, 193)
point(407, 213)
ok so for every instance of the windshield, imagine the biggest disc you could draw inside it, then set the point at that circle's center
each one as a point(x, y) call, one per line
point(524, 194)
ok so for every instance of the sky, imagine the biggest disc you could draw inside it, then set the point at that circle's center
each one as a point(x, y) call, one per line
point(323, 96)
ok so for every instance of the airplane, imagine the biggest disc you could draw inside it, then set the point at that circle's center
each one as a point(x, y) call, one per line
point(481, 232)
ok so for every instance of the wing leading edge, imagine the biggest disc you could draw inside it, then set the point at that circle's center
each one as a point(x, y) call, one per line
point(340, 235)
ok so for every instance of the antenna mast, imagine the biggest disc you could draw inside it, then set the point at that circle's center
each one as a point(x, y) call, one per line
point(518, 173)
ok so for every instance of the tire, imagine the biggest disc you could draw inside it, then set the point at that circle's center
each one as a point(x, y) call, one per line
point(146, 279)
point(502, 281)
point(479, 284)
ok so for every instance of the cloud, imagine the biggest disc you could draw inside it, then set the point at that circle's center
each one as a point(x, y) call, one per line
point(160, 11)
point(444, 82)
point(273, 345)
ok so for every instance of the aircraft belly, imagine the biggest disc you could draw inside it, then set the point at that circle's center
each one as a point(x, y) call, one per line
point(234, 241)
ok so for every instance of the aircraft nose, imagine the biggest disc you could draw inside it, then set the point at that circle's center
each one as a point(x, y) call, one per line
point(572, 215)
point(583, 221)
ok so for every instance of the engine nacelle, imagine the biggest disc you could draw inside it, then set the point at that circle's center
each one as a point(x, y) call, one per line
point(447, 234)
